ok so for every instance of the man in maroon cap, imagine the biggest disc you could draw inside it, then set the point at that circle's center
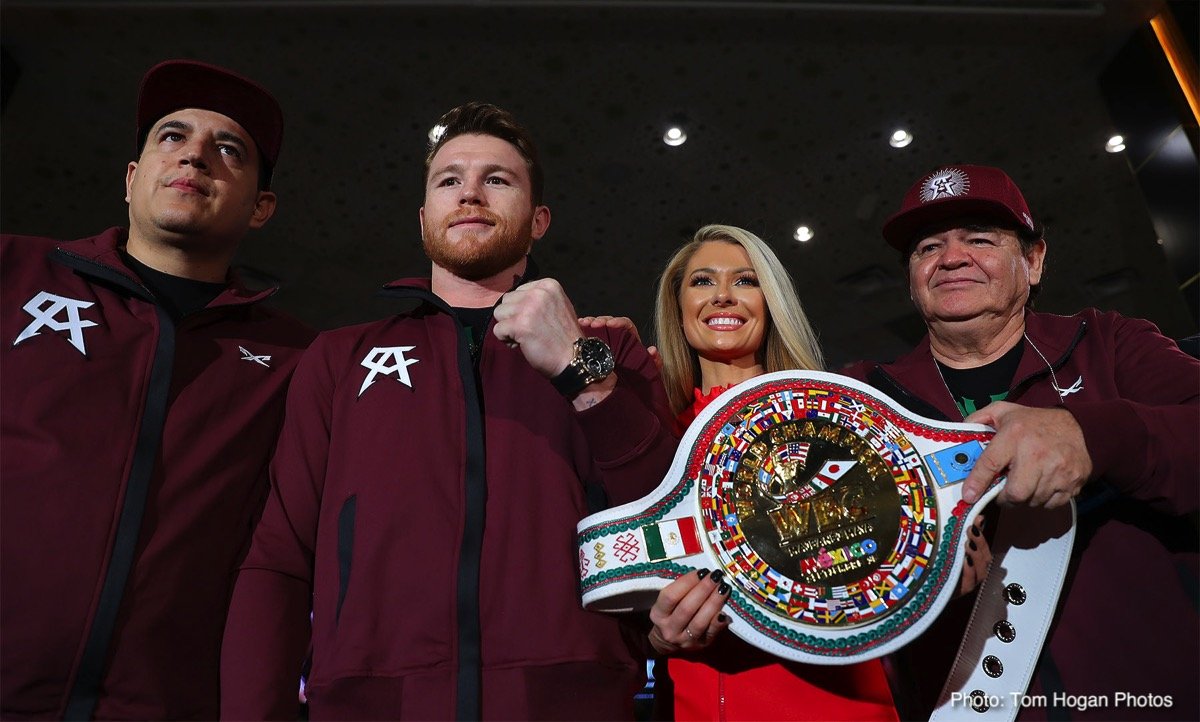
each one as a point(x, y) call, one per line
point(1096, 408)
point(143, 389)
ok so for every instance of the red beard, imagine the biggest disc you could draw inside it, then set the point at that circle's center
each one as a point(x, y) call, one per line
point(472, 258)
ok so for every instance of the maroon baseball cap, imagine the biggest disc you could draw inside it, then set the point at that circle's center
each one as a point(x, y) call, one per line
point(953, 192)
point(175, 84)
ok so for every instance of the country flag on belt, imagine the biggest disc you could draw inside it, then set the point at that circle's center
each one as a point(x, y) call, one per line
point(952, 465)
point(830, 472)
point(806, 590)
point(792, 452)
point(829, 405)
point(672, 538)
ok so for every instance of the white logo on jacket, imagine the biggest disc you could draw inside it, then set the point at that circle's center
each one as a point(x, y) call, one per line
point(387, 360)
point(1072, 389)
point(45, 308)
point(260, 360)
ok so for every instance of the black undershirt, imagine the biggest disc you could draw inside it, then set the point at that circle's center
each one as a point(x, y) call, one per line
point(179, 296)
point(476, 321)
point(975, 388)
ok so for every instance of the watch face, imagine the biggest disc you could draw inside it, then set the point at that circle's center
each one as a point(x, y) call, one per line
point(596, 357)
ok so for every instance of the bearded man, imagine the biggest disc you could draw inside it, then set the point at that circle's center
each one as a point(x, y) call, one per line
point(431, 471)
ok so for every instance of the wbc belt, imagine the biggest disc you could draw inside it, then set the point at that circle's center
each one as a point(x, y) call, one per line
point(837, 517)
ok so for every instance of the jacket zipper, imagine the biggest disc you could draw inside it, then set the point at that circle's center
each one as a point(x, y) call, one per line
point(469, 676)
point(85, 687)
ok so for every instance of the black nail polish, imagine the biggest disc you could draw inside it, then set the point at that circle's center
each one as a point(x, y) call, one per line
point(969, 562)
point(972, 545)
point(723, 590)
point(717, 576)
point(975, 530)
point(722, 618)
point(702, 573)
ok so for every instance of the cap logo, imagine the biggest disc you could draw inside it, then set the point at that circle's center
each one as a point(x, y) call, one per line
point(945, 183)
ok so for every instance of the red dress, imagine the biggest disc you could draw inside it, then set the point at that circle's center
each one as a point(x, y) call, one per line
point(732, 680)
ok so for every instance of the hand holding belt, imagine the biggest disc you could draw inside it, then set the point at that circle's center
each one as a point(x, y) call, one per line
point(837, 517)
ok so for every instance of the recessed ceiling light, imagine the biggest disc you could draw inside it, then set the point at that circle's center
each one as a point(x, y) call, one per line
point(435, 133)
point(804, 234)
point(1115, 144)
point(675, 136)
point(900, 138)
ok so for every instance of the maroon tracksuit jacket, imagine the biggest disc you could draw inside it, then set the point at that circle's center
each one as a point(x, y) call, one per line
point(426, 508)
point(134, 464)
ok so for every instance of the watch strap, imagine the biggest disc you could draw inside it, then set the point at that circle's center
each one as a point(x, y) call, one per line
point(571, 380)
point(592, 361)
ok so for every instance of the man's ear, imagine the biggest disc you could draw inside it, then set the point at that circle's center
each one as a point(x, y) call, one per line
point(541, 222)
point(421, 220)
point(129, 173)
point(264, 208)
point(1036, 258)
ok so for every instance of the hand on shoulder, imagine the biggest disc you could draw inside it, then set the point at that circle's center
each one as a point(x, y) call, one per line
point(622, 323)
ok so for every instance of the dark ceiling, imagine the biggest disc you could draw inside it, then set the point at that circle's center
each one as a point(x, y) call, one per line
point(788, 107)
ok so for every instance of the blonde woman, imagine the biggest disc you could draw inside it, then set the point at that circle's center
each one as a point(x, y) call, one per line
point(727, 311)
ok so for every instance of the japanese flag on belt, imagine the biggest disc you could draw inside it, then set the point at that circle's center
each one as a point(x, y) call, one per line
point(672, 538)
point(830, 472)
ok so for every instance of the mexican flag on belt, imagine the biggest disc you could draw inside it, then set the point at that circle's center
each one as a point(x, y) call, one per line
point(672, 538)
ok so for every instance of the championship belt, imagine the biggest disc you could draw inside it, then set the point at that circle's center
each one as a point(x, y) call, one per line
point(837, 517)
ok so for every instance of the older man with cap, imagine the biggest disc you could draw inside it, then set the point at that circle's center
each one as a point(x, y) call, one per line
point(1096, 408)
point(143, 389)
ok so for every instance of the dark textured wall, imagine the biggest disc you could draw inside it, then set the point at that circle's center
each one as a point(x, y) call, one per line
point(788, 113)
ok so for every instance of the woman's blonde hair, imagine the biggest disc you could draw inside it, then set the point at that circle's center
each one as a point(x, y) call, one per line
point(789, 341)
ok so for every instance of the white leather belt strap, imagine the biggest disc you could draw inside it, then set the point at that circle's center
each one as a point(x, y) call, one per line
point(1012, 615)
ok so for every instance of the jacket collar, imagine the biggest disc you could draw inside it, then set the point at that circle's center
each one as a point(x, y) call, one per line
point(918, 370)
point(99, 256)
point(1054, 336)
